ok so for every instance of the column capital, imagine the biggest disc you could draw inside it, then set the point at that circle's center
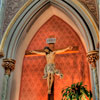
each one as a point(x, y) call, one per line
point(93, 56)
point(9, 65)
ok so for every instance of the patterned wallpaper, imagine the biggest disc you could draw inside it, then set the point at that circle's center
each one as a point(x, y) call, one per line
point(74, 66)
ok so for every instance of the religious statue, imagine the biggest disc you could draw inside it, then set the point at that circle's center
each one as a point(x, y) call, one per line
point(50, 69)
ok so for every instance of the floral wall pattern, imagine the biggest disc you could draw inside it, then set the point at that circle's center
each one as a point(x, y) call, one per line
point(74, 66)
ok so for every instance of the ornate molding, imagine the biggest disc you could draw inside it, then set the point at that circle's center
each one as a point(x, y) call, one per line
point(9, 65)
point(91, 5)
point(12, 7)
point(93, 56)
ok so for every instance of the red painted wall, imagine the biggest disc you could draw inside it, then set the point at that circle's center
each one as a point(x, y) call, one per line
point(74, 66)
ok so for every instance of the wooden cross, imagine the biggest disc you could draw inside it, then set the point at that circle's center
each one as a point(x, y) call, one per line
point(74, 50)
point(51, 42)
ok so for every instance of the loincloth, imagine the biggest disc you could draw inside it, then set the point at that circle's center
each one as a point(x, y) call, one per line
point(50, 68)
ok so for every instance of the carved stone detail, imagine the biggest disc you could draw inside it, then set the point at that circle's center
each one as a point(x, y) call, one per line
point(92, 6)
point(12, 7)
point(9, 65)
point(93, 56)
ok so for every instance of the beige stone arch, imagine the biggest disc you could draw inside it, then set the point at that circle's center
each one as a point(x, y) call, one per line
point(18, 36)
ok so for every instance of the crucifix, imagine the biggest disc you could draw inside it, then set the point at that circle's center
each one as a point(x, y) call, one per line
point(49, 52)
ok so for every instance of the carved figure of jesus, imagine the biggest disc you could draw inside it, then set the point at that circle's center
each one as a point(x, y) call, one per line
point(50, 69)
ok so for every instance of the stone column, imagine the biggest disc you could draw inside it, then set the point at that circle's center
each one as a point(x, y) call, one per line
point(8, 65)
point(93, 56)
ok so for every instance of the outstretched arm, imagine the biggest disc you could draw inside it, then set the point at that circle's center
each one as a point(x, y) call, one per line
point(35, 52)
point(63, 50)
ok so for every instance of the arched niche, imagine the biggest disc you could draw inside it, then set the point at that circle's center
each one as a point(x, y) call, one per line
point(74, 66)
point(33, 15)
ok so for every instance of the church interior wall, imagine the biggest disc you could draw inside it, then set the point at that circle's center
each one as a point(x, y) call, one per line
point(22, 37)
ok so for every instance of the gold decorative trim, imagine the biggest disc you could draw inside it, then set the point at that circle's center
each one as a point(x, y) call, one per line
point(93, 52)
point(9, 60)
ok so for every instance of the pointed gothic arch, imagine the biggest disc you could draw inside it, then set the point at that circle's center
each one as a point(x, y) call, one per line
point(19, 33)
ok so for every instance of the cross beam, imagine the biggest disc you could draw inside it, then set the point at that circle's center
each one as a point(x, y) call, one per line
point(74, 50)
